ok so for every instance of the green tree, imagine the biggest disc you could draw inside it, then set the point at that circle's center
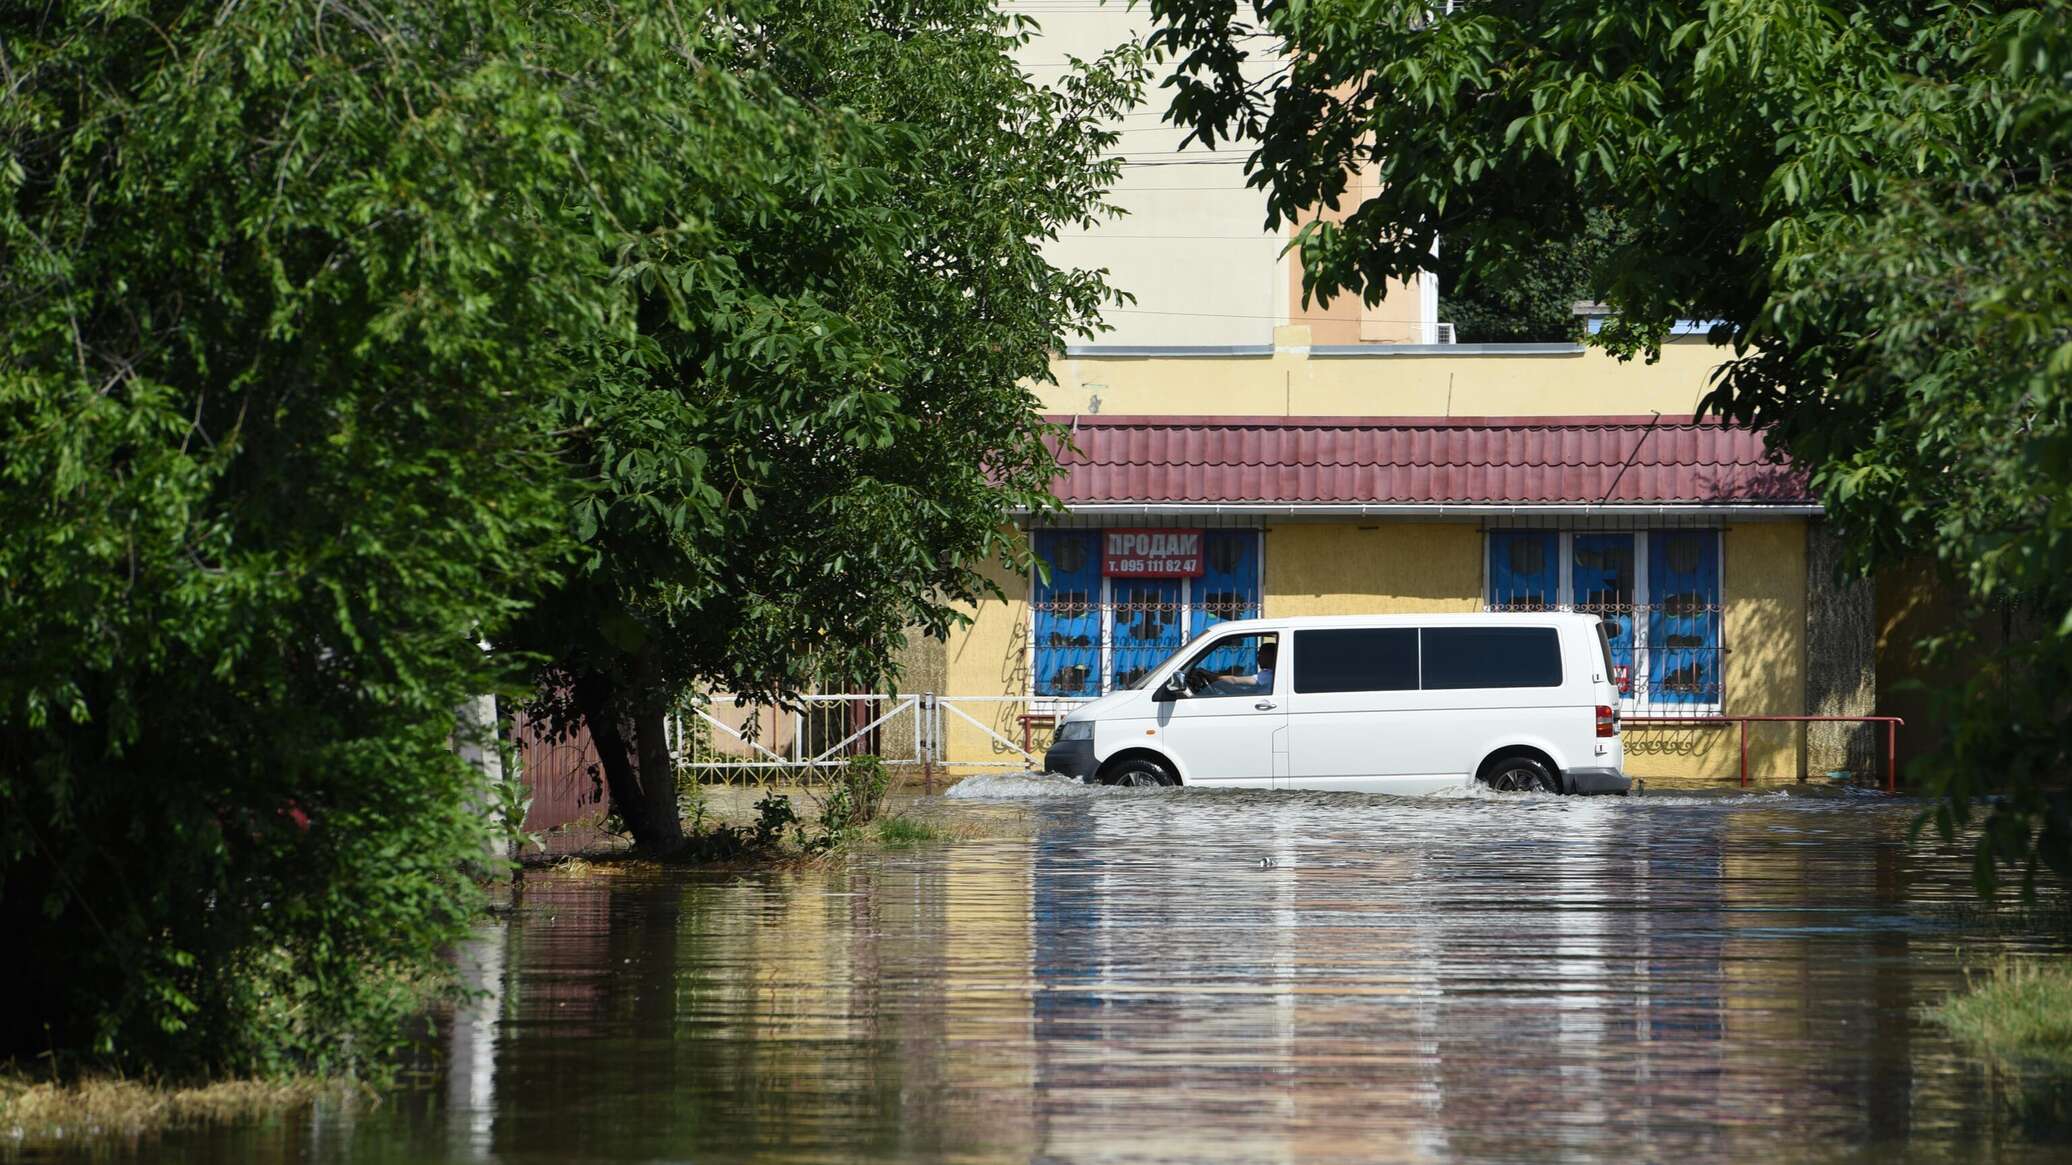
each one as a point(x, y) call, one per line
point(1531, 297)
point(319, 322)
point(823, 426)
point(270, 456)
point(1868, 195)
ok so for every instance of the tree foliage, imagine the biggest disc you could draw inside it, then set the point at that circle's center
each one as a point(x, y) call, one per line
point(271, 426)
point(337, 339)
point(810, 459)
point(1531, 298)
point(1868, 195)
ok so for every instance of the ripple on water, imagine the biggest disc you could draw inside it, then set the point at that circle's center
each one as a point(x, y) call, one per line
point(1033, 786)
point(1022, 787)
point(1208, 975)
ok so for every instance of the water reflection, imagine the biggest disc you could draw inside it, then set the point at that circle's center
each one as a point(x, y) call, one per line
point(1170, 975)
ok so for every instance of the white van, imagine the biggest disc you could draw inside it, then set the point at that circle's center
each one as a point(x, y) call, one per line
point(1380, 703)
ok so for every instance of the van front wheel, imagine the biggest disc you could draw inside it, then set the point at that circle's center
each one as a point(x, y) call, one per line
point(1521, 774)
point(1138, 772)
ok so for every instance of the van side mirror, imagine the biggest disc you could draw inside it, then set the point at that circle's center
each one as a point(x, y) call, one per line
point(1174, 688)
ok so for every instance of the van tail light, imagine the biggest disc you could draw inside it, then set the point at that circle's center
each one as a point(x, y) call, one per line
point(1607, 720)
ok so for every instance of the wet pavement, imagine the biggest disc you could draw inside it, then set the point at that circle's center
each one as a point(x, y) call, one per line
point(1195, 976)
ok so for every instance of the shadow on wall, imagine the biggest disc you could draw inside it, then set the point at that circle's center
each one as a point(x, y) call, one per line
point(1004, 717)
point(1919, 600)
point(1913, 603)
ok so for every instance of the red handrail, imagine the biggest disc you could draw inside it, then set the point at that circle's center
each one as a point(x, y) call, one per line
point(1049, 719)
point(1892, 725)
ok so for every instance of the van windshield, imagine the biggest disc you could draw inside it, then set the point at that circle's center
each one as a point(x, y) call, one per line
point(1144, 681)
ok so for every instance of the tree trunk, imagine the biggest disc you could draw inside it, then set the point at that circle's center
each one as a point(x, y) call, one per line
point(652, 831)
point(657, 773)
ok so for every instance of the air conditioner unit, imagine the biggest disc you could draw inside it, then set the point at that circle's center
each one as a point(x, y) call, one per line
point(1445, 333)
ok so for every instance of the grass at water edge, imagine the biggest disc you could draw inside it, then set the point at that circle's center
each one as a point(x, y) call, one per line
point(2019, 1014)
point(45, 1114)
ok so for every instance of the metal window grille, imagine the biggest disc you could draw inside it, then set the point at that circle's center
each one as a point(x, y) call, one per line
point(1091, 635)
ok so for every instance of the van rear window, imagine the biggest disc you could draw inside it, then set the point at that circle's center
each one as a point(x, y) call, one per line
point(1356, 659)
point(1491, 657)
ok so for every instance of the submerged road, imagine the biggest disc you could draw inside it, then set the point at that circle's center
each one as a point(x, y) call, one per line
point(1187, 976)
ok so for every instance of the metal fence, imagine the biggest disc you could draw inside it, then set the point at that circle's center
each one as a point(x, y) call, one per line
point(923, 734)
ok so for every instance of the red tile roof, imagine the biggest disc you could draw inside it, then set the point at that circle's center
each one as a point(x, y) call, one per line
point(1420, 461)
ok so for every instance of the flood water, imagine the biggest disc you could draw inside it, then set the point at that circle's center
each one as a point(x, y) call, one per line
point(1191, 976)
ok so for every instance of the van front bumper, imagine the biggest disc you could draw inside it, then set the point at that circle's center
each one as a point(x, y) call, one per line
point(1074, 758)
point(1597, 781)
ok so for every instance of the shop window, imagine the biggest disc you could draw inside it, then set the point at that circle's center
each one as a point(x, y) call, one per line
point(1657, 591)
point(1091, 634)
point(1524, 570)
point(1145, 626)
point(1683, 622)
point(1068, 614)
point(1229, 586)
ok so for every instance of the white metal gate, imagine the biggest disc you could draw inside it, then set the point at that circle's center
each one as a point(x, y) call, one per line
point(720, 741)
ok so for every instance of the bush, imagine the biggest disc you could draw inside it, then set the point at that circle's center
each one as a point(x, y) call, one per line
point(854, 798)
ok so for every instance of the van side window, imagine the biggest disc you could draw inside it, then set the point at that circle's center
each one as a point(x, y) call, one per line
point(1236, 665)
point(1361, 659)
point(1490, 657)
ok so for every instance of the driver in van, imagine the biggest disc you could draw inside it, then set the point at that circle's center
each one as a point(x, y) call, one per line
point(1260, 683)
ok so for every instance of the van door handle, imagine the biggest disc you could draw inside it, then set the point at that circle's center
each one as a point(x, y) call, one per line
point(1264, 705)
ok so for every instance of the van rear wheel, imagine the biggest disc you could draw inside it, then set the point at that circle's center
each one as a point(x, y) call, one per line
point(1521, 774)
point(1138, 773)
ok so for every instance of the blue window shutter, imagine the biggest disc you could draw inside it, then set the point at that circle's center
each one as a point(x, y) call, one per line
point(1147, 625)
point(1068, 614)
point(1524, 570)
point(1601, 582)
point(1684, 617)
point(1229, 585)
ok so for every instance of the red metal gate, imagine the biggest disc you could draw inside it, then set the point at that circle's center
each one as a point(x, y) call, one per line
point(562, 775)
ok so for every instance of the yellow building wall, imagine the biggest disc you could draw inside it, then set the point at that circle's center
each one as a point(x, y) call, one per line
point(1382, 569)
point(988, 657)
point(1587, 382)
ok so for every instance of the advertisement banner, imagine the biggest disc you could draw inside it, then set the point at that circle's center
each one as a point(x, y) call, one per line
point(1151, 553)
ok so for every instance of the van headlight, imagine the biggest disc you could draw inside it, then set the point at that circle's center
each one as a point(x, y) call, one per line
point(1072, 730)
